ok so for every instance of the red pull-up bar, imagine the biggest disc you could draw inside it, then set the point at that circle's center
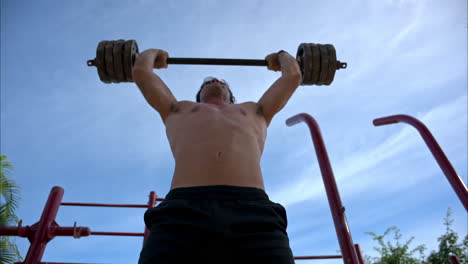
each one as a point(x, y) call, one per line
point(436, 150)
point(350, 256)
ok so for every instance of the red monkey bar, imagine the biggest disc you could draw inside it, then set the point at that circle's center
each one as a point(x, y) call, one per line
point(350, 255)
point(436, 150)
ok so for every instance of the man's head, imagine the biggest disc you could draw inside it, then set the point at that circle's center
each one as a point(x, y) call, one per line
point(215, 88)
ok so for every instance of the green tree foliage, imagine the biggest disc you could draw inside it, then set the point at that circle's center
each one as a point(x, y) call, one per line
point(397, 253)
point(448, 245)
point(9, 198)
point(400, 253)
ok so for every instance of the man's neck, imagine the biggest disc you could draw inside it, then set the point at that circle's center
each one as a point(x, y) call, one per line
point(216, 102)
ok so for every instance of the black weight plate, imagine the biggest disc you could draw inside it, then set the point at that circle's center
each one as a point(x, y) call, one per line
point(129, 54)
point(118, 61)
point(323, 64)
point(110, 61)
point(299, 58)
point(305, 56)
point(308, 67)
point(332, 64)
point(315, 63)
point(101, 62)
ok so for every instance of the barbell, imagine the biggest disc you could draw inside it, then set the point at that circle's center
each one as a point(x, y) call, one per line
point(115, 59)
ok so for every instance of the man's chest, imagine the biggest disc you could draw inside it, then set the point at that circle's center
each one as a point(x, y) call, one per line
point(226, 121)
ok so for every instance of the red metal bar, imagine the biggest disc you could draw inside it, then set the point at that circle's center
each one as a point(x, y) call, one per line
point(336, 207)
point(359, 253)
point(54, 230)
point(153, 197)
point(108, 205)
point(15, 231)
point(115, 234)
point(436, 150)
point(454, 259)
point(319, 257)
point(42, 236)
point(58, 263)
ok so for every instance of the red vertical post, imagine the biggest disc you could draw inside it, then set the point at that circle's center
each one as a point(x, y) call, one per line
point(336, 207)
point(42, 236)
point(152, 199)
point(359, 254)
point(444, 163)
point(454, 259)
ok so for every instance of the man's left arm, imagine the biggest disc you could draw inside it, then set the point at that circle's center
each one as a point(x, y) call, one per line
point(276, 97)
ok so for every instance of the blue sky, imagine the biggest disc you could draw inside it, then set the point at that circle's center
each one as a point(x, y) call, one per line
point(61, 126)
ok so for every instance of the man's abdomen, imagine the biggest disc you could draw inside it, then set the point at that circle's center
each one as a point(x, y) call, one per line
point(218, 167)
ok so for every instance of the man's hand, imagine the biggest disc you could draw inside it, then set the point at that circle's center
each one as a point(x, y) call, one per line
point(151, 59)
point(273, 62)
point(284, 62)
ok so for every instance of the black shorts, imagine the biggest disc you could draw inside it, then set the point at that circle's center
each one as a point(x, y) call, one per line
point(216, 224)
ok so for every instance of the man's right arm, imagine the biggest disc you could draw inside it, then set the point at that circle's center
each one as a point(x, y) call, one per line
point(156, 93)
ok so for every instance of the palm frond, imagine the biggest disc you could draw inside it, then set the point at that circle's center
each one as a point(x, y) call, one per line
point(10, 252)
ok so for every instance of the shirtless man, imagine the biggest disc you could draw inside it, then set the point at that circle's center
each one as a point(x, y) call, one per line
point(217, 210)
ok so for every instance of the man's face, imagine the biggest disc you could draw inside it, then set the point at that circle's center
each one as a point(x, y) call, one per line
point(214, 88)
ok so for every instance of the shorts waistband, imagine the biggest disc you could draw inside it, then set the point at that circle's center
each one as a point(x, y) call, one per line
point(219, 192)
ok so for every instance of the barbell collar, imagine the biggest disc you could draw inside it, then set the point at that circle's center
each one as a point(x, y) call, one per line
point(341, 65)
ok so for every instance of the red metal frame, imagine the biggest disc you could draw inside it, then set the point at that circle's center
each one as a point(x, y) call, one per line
point(48, 223)
point(454, 259)
point(444, 163)
point(52, 229)
point(46, 229)
point(350, 255)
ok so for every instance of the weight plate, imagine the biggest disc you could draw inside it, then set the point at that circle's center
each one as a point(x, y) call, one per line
point(129, 54)
point(299, 59)
point(110, 61)
point(331, 64)
point(308, 67)
point(323, 64)
point(304, 55)
point(118, 61)
point(315, 63)
point(101, 62)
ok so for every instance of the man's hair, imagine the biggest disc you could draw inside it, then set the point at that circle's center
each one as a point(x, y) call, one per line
point(232, 99)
